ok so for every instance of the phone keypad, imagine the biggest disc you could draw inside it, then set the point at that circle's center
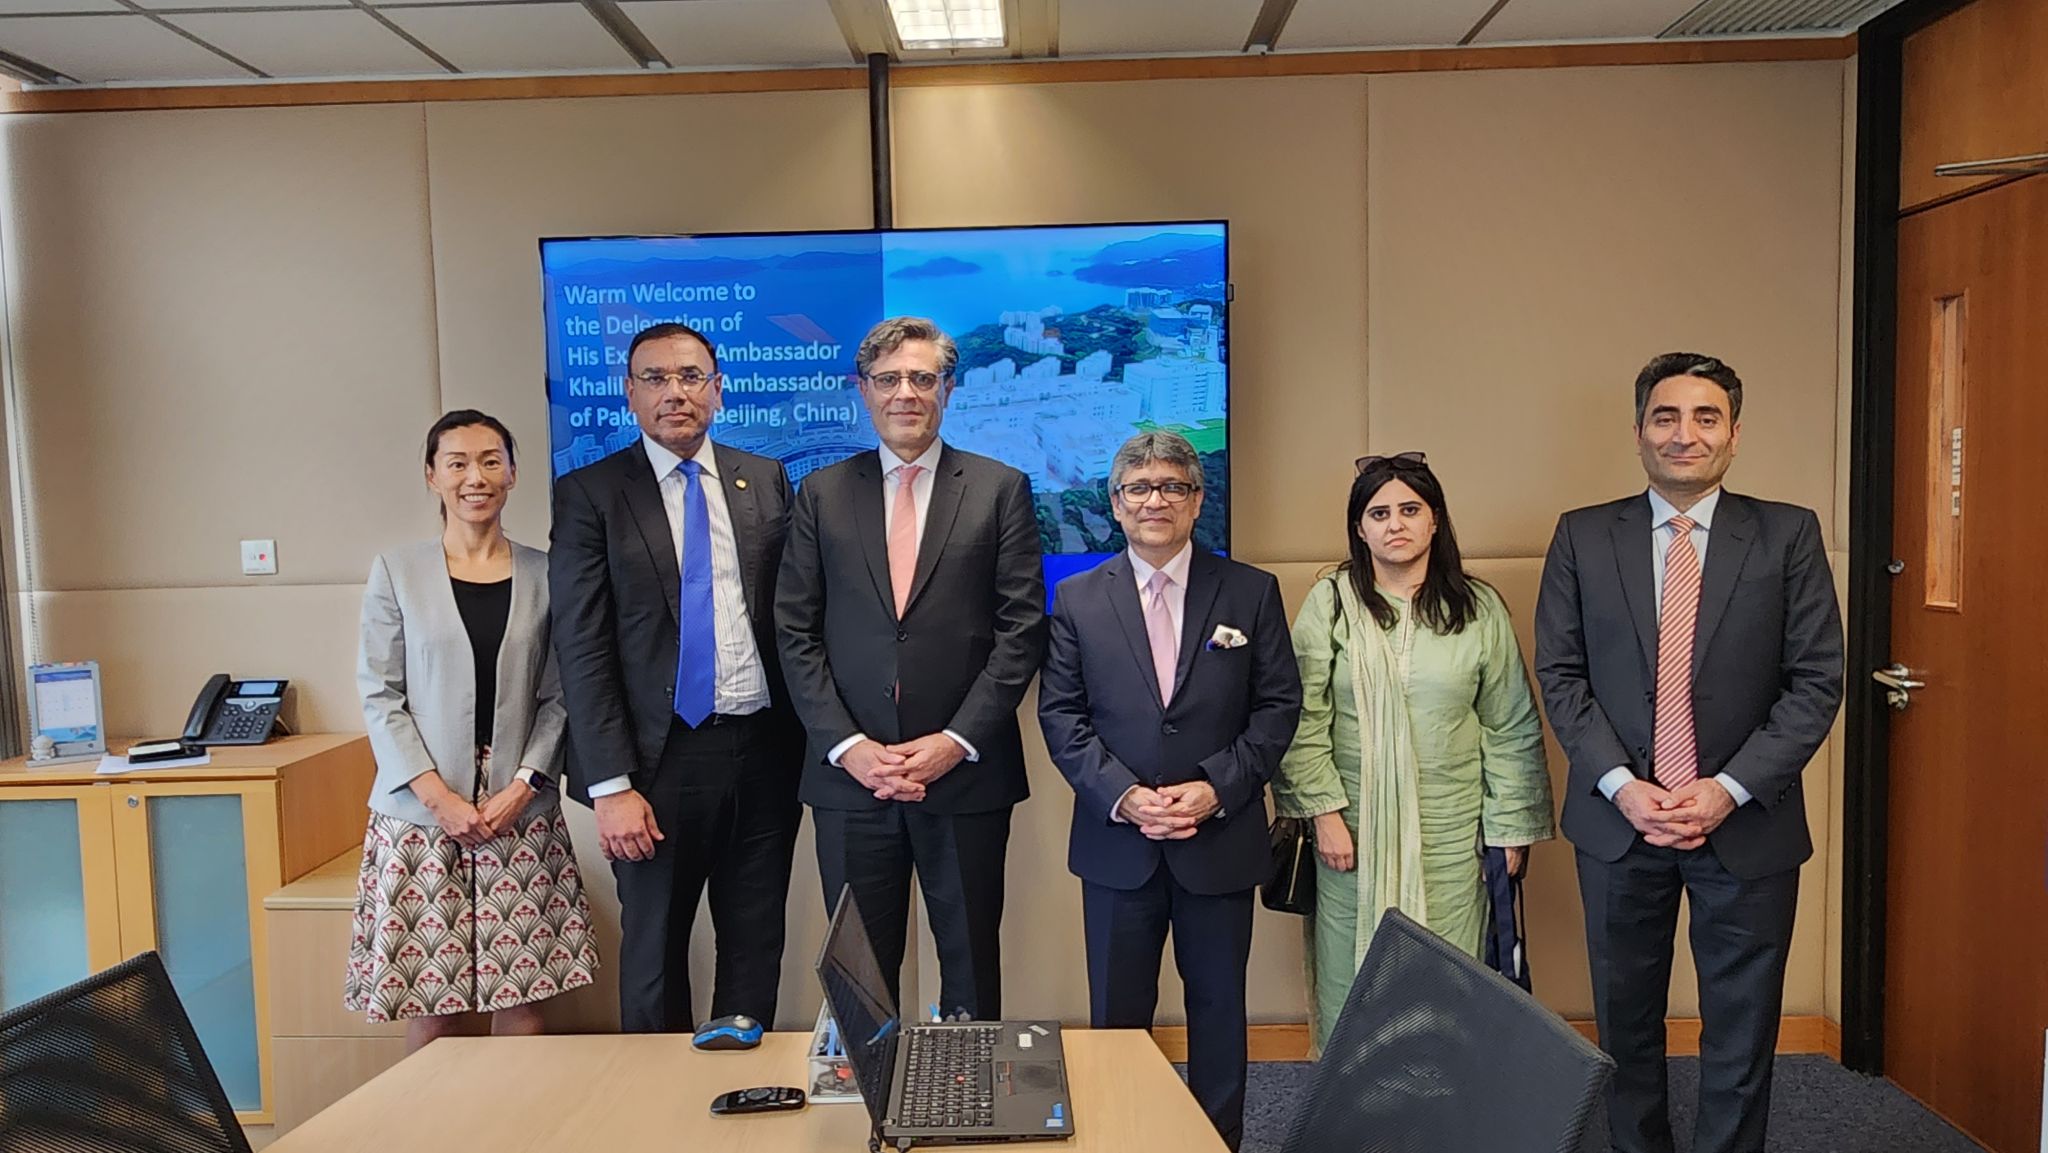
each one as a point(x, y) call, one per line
point(243, 724)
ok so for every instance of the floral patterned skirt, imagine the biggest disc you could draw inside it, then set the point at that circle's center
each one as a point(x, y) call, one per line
point(442, 929)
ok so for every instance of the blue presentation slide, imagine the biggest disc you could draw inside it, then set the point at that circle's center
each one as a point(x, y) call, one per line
point(1071, 339)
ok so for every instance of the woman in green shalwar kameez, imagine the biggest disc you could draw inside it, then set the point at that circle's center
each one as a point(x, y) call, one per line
point(1419, 739)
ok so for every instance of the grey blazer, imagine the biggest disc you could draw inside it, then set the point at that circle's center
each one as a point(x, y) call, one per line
point(417, 677)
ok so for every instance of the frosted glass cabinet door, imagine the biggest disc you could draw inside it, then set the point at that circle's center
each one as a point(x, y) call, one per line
point(199, 880)
point(42, 899)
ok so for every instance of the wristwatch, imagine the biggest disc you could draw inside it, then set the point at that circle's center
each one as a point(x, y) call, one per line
point(534, 779)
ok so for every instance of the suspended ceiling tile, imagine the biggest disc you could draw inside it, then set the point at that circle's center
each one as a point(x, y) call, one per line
point(515, 37)
point(1151, 27)
point(1332, 25)
point(168, 6)
point(324, 43)
point(20, 7)
point(729, 33)
point(1526, 20)
point(101, 48)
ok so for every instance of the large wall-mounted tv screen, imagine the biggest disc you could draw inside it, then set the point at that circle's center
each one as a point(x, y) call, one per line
point(1071, 338)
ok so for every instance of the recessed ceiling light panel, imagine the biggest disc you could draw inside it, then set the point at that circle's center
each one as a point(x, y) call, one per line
point(927, 24)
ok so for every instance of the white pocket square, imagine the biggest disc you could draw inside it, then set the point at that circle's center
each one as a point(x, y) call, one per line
point(1226, 637)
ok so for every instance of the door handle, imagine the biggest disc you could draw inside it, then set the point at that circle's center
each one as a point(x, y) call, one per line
point(2002, 166)
point(1898, 683)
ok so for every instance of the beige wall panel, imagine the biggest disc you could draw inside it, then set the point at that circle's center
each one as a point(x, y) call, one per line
point(1282, 159)
point(1538, 235)
point(156, 647)
point(223, 328)
point(507, 173)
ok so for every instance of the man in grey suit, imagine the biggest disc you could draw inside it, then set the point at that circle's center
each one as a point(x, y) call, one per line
point(911, 614)
point(680, 734)
point(1690, 651)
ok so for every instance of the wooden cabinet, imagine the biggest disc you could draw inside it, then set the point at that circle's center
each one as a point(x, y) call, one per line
point(94, 869)
point(323, 1051)
point(1975, 88)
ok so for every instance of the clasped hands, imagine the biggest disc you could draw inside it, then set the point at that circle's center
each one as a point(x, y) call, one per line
point(472, 825)
point(1169, 812)
point(902, 772)
point(1678, 818)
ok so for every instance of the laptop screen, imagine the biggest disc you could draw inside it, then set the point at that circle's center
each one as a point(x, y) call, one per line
point(861, 1005)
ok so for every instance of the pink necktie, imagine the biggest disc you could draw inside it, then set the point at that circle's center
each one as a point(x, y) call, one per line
point(1676, 754)
point(1159, 630)
point(903, 536)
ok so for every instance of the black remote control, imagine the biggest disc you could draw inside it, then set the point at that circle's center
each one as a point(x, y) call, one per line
point(779, 1099)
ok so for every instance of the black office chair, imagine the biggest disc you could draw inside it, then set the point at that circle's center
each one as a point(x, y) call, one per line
point(111, 1065)
point(1436, 1053)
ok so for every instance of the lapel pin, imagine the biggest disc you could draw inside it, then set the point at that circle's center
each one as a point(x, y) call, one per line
point(739, 482)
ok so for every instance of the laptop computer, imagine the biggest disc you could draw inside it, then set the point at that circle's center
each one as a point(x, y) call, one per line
point(939, 1083)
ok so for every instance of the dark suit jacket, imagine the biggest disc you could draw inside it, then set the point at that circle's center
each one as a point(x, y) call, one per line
point(1767, 668)
point(616, 588)
point(1232, 715)
point(969, 642)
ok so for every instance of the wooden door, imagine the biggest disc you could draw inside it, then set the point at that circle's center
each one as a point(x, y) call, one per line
point(1966, 950)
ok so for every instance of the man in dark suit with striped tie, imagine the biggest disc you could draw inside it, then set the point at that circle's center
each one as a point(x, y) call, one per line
point(1690, 651)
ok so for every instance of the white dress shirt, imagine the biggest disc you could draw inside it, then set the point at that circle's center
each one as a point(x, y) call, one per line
point(1662, 533)
point(1176, 594)
point(921, 496)
point(741, 680)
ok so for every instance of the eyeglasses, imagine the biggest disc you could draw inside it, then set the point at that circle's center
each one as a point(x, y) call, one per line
point(1396, 460)
point(1140, 491)
point(692, 379)
point(891, 381)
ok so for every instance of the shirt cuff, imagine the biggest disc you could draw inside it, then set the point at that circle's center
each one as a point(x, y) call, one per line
point(1116, 811)
point(839, 750)
point(1616, 777)
point(969, 749)
point(1735, 789)
point(606, 788)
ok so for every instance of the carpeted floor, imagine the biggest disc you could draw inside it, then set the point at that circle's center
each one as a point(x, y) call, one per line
point(1816, 1107)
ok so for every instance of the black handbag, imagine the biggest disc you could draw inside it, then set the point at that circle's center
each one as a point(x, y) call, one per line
point(1291, 884)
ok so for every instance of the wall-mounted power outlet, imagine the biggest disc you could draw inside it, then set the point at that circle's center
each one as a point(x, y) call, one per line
point(259, 558)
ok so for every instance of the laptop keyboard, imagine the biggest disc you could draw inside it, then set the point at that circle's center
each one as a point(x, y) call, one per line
point(947, 1083)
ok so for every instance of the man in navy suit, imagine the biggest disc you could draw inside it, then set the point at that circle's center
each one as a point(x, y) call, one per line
point(1169, 693)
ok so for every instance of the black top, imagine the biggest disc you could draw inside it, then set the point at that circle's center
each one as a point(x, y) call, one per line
point(484, 608)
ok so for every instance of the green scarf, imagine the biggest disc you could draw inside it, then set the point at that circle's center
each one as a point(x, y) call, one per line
point(1389, 811)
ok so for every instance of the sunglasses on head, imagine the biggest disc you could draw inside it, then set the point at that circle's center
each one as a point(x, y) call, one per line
point(1396, 460)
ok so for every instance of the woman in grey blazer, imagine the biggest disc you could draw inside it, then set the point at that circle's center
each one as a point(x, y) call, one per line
point(470, 901)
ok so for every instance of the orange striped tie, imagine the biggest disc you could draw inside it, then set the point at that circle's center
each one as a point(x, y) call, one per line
point(1676, 758)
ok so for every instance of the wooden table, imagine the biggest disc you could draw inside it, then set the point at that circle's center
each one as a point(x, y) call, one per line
point(623, 1094)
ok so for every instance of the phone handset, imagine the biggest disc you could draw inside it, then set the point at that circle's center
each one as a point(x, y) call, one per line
point(208, 704)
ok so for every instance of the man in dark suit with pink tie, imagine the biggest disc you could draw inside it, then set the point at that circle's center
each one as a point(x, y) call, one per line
point(1168, 695)
point(1690, 651)
point(911, 617)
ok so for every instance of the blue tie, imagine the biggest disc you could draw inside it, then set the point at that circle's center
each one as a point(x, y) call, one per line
point(697, 654)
